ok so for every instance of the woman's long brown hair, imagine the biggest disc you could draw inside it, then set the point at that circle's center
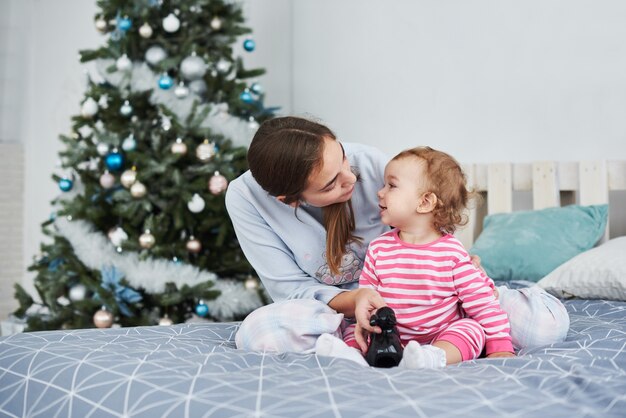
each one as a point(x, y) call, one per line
point(339, 224)
point(282, 156)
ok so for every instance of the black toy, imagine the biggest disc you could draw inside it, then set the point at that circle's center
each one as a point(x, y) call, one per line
point(385, 349)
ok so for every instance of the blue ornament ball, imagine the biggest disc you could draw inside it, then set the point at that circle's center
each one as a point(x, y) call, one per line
point(246, 97)
point(166, 82)
point(124, 24)
point(249, 45)
point(66, 184)
point(114, 161)
point(202, 309)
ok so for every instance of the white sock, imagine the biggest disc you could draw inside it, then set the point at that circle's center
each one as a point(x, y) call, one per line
point(418, 356)
point(331, 346)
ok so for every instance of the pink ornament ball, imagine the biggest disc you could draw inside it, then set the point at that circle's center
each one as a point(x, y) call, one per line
point(217, 183)
point(107, 180)
point(103, 319)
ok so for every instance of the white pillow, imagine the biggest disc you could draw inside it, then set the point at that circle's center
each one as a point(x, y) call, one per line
point(599, 273)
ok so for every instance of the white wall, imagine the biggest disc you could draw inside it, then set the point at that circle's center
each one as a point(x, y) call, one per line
point(484, 79)
point(56, 82)
point(13, 57)
point(271, 24)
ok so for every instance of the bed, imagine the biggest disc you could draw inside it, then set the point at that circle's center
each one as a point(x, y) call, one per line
point(196, 370)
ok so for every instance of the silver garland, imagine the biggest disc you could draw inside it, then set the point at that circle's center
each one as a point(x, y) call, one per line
point(142, 79)
point(95, 251)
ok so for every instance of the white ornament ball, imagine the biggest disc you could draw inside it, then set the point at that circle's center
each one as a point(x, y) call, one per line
point(103, 319)
point(129, 143)
point(216, 23)
point(251, 283)
point(166, 321)
point(128, 178)
point(117, 236)
point(223, 66)
point(166, 123)
point(89, 108)
point(253, 125)
point(155, 54)
point(145, 31)
point(181, 91)
point(205, 151)
point(196, 204)
point(102, 148)
point(193, 245)
point(193, 67)
point(138, 190)
point(198, 87)
point(126, 109)
point(107, 180)
point(217, 183)
point(124, 63)
point(147, 240)
point(257, 88)
point(171, 23)
point(78, 292)
point(179, 147)
point(103, 102)
point(101, 25)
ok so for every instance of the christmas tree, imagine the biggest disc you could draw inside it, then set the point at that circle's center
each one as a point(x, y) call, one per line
point(140, 234)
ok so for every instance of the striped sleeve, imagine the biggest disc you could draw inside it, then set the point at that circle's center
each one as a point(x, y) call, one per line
point(477, 300)
point(369, 278)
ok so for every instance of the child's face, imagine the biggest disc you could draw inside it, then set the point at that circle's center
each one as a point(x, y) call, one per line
point(404, 185)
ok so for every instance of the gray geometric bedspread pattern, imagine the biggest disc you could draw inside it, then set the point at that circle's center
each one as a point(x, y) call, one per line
point(194, 370)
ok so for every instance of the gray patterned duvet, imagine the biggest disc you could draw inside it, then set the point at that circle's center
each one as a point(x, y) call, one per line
point(195, 370)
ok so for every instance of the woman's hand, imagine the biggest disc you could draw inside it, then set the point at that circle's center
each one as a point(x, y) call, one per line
point(366, 302)
point(501, 354)
point(476, 262)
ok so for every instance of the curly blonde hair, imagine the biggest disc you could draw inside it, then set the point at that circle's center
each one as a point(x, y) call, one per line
point(446, 180)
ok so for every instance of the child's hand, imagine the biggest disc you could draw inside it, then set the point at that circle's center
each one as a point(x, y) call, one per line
point(501, 354)
point(366, 303)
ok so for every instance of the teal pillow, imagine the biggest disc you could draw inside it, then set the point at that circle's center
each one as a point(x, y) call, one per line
point(530, 244)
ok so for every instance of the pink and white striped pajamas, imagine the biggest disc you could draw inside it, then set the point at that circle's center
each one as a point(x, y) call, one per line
point(437, 294)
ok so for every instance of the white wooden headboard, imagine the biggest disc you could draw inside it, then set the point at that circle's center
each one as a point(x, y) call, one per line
point(551, 183)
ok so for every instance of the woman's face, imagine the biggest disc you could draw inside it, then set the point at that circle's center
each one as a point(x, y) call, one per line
point(334, 181)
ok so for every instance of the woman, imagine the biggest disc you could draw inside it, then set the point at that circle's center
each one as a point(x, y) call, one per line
point(304, 214)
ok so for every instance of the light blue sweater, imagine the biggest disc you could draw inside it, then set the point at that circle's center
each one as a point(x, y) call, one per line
point(288, 253)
